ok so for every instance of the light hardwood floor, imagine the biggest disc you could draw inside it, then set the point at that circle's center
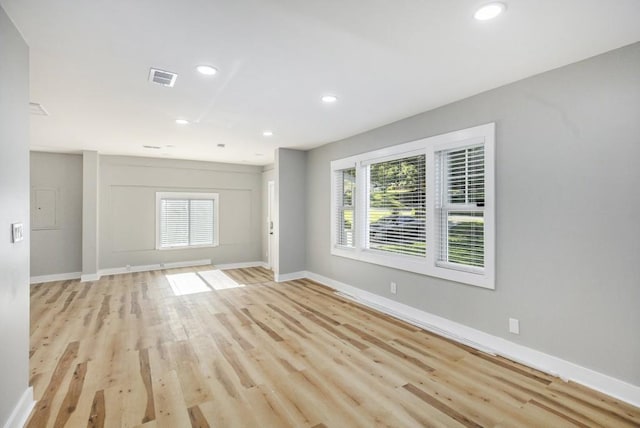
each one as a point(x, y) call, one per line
point(126, 351)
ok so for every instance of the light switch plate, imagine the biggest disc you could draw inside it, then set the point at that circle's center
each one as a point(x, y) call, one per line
point(17, 234)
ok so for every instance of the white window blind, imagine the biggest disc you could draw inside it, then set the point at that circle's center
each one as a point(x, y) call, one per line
point(187, 220)
point(460, 202)
point(174, 223)
point(396, 206)
point(345, 187)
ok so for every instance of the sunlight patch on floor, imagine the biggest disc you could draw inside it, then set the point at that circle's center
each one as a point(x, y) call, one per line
point(218, 280)
point(200, 282)
point(187, 283)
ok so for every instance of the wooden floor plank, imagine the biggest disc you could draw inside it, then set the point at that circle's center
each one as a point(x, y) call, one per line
point(125, 351)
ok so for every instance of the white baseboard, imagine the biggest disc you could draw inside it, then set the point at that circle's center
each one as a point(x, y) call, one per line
point(241, 265)
point(22, 410)
point(486, 342)
point(54, 277)
point(89, 277)
point(157, 266)
point(291, 276)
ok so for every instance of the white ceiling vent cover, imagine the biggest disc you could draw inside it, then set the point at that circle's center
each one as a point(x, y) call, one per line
point(37, 109)
point(162, 77)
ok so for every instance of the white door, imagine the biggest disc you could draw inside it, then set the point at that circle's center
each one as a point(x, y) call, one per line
point(271, 194)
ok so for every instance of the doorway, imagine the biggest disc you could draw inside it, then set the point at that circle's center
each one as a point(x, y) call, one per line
point(271, 253)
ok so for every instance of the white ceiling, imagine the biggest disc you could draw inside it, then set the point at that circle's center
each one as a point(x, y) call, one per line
point(384, 59)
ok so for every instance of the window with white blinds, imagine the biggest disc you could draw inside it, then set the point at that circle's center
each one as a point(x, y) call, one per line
point(460, 202)
point(426, 206)
point(187, 220)
point(396, 206)
point(345, 188)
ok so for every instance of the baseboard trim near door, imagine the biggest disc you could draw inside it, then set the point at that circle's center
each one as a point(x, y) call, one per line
point(225, 266)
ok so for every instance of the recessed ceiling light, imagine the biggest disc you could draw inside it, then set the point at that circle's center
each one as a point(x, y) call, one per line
point(267, 133)
point(207, 70)
point(489, 11)
point(259, 154)
point(182, 121)
point(329, 99)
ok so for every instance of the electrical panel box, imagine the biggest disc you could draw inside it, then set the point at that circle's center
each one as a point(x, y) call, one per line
point(44, 208)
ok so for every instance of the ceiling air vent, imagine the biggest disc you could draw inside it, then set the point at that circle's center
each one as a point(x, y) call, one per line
point(162, 77)
point(37, 109)
point(152, 147)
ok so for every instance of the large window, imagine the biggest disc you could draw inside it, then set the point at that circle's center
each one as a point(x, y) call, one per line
point(425, 206)
point(186, 220)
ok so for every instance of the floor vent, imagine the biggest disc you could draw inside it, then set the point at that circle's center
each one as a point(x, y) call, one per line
point(162, 77)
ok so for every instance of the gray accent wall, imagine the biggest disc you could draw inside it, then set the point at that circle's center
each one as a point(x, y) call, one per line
point(14, 208)
point(568, 214)
point(127, 209)
point(290, 171)
point(58, 249)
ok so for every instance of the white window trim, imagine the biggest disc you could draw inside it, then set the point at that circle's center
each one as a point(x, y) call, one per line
point(188, 195)
point(484, 134)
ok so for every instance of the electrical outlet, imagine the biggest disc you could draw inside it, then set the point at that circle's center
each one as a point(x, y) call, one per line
point(514, 326)
point(393, 288)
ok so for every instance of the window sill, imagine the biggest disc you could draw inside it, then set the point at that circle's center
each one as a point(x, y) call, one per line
point(186, 247)
point(415, 264)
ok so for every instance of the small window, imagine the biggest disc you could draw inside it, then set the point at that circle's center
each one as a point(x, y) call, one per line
point(460, 208)
point(187, 220)
point(345, 188)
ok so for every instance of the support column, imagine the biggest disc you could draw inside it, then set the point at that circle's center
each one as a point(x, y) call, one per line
point(90, 182)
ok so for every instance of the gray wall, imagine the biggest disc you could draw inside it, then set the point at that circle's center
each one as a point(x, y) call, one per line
point(58, 250)
point(14, 208)
point(290, 174)
point(128, 185)
point(568, 204)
